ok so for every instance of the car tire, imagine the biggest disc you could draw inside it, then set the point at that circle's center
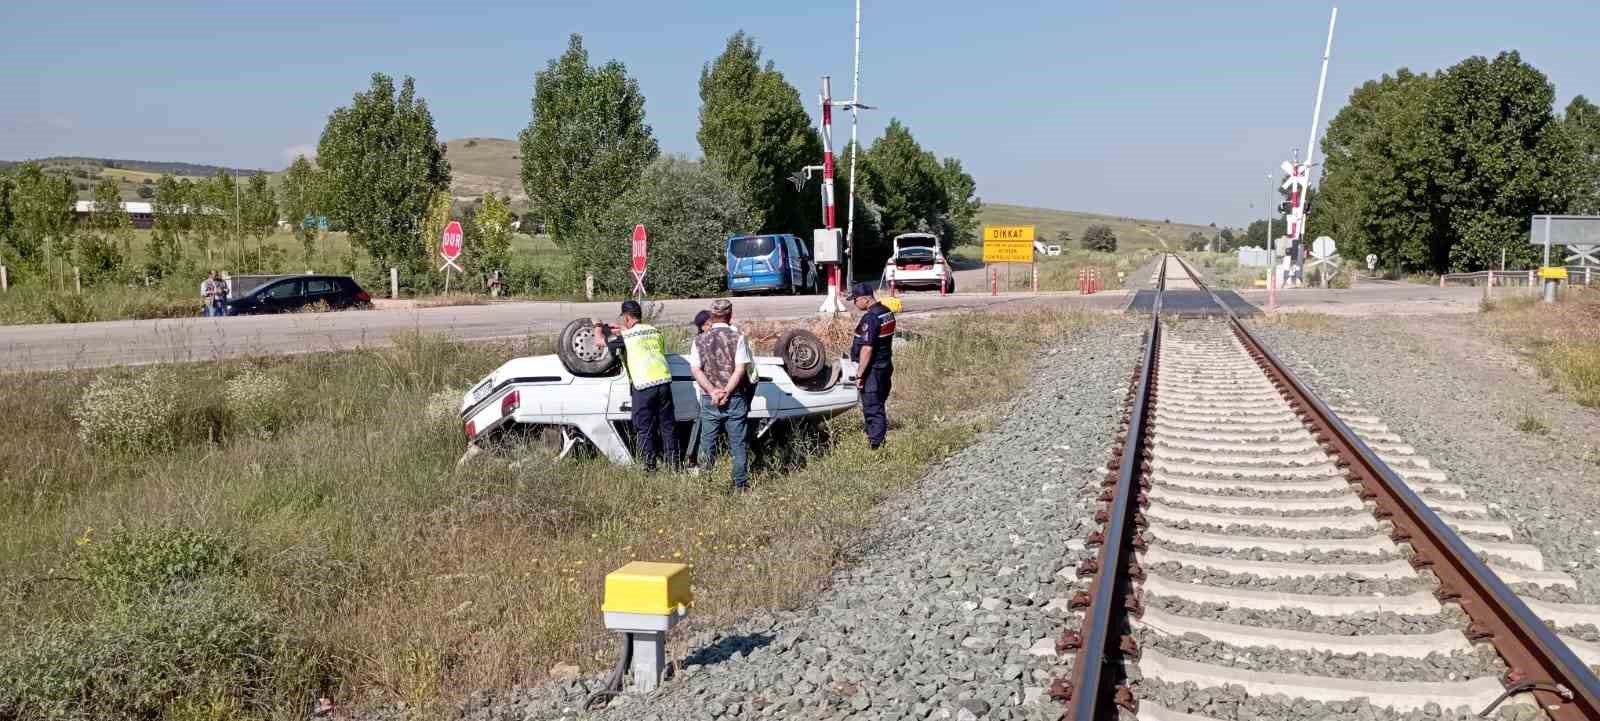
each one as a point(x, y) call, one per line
point(578, 352)
point(803, 354)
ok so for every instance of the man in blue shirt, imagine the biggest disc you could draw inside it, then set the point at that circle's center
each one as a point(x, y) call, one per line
point(873, 351)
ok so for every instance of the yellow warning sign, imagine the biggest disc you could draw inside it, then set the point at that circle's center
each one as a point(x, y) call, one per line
point(1008, 244)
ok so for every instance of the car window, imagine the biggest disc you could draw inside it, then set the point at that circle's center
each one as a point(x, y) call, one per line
point(284, 291)
point(915, 252)
point(320, 285)
point(805, 252)
point(751, 246)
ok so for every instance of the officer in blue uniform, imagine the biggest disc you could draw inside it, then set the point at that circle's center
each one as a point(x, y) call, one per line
point(873, 350)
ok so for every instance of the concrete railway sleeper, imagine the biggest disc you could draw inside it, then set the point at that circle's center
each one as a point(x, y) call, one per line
point(1262, 557)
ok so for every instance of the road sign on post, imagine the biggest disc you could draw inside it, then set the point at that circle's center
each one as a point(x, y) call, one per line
point(1372, 262)
point(641, 241)
point(450, 250)
point(1007, 244)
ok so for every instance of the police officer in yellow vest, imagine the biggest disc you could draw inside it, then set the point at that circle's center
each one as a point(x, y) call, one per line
point(644, 357)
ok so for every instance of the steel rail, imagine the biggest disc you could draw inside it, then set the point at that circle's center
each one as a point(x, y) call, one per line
point(1537, 660)
point(1093, 693)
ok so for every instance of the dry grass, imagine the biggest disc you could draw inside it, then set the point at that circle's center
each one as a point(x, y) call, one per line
point(452, 298)
point(1563, 340)
point(1298, 320)
point(413, 580)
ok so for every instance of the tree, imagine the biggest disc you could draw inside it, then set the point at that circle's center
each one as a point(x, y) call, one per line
point(584, 147)
point(1255, 235)
point(491, 226)
point(690, 211)
point(212, 204)
point(962, 201)
point(1226, 240)
point(384, 164)
point(1102, 238)
point(41, 208)
point(1500, 157)
point(1582, 121)
point(1195, 242)
point(904, 183)
point(1064, 238)
point(304, 203)
point(108, 229)
point(755, 131)
point(175, 208)
point(258, 211)
point(7, 216)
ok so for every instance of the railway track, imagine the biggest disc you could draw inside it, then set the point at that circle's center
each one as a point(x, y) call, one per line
point(1263, 556)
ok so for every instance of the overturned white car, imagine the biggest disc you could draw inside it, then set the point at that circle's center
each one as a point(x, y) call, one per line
point(580, 396)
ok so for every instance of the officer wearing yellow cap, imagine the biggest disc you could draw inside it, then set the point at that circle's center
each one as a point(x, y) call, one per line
point(644, 357)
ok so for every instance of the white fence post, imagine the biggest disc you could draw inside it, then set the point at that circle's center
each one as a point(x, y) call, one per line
point(394, 283)
point(77, 280)
point(588, 286)
point(5, 279)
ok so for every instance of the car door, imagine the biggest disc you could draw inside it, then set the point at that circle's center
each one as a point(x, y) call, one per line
point(283, 296)
point(808, 266)
point(791, 263)
point(324, 290)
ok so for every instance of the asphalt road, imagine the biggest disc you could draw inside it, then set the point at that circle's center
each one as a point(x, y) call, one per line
point(87, 345)
point(134, 342)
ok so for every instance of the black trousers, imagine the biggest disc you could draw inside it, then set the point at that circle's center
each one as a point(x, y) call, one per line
point(874, 398)
point(653, 423)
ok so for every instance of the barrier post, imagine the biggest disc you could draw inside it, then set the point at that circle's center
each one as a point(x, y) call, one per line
point(994, 281)
point(5, 280)
point(394, 283)
point(1036, 276)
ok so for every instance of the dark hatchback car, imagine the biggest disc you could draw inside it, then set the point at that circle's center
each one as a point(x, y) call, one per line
point(291, 293)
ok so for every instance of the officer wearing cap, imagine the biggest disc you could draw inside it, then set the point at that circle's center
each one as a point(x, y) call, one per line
point(873, 350)
point(644, 357)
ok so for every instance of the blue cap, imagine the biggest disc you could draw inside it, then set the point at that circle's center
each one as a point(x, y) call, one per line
point(860, 290)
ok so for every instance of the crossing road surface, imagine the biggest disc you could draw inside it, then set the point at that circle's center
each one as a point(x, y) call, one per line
point(87, 345)
point(83, 345)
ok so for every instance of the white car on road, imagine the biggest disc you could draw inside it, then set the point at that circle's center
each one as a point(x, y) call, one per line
point(580, 396)
point(918, 262)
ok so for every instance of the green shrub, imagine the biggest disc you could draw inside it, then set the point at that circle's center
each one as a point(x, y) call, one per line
point(212, 645)
point(68, 308)
point(137, 413)
point(257, 400)
point(153, 559)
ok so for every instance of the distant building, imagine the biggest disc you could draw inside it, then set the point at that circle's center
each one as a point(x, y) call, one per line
point(143, 215)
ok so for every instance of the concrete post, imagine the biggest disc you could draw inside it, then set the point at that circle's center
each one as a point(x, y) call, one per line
point(649, 660)
point(5, 279)
point(1549, 290)
point(77, 280)
point(394, 283)
point(588, 286)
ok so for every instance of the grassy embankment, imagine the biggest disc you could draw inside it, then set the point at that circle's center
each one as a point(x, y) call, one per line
point(226, 540)
point(1562, 340)
point(179, 297)
point(1060, 272)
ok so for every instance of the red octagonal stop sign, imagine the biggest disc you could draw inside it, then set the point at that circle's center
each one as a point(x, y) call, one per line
point(450, 243)
point(640, 240)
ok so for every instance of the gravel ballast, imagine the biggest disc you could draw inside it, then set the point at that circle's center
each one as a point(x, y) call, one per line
point(1457, 397)
point(958, 592)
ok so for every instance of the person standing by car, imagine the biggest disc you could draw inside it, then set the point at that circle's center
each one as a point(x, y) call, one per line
point(214, 293)
point(724, 370)
point(700, 324)
point(644, 358)
point(873, 349)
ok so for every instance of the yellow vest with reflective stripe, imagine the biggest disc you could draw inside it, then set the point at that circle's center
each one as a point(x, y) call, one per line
point(646, 356)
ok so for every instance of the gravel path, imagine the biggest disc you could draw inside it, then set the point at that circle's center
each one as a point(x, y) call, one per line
point(959, 593)
point(1457, 397)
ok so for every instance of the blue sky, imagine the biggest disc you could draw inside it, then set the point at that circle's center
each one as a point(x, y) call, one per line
point(1152, 109)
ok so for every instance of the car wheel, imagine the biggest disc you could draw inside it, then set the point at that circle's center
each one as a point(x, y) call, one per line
point(578, 352)
point(803, 354)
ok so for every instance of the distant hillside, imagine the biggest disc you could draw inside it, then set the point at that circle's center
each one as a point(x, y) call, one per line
point(1131, 232)
point(131, 175)
point(481, 165)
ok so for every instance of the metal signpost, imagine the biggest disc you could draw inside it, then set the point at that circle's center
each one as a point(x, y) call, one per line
point(450, 250)
point(1580, 233)
point(1007, 244)
point(640, 243)
point(1324, 252)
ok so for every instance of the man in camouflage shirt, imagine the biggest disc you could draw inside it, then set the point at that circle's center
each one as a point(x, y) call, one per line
point(724, 371)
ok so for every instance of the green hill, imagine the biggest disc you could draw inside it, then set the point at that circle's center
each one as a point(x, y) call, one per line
point(1131, 232)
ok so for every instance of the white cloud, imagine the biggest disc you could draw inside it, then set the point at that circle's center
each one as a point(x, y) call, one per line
point(295, 151)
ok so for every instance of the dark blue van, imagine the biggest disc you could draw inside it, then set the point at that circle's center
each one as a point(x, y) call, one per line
point(770, 263)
